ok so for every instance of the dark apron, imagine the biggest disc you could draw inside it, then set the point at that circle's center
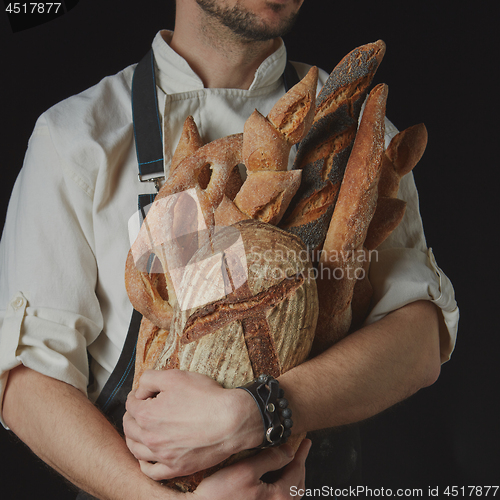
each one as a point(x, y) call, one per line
point(334, 458)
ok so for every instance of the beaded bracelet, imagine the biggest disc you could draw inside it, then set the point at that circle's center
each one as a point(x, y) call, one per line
point(273, 407)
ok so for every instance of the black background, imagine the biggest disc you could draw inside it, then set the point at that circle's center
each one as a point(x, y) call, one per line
point(439, 66)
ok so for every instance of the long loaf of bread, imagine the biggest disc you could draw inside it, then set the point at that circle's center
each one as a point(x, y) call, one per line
point(343, 254)
point(323, 153)
point(404, 152)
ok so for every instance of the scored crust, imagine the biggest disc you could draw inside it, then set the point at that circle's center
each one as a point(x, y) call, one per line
point(340, 264)
point(323, 153)
point(265, 325)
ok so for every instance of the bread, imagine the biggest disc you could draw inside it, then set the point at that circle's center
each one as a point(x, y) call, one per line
point(265, 325)
point(323, 153)
point(343, 254)
point(150, 342)
point(404, 152)
point(230, 295)
point(210, 174)
point(267, 141)
point(265, 195)
point(189, 142)
point(293, 114)
point(168, 227)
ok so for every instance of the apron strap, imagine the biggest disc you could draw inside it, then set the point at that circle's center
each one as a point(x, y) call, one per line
point(146, 119)
point(111, 400)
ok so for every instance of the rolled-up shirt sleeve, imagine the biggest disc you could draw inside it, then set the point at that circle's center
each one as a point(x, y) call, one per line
point(404, 270)
point(48, 274)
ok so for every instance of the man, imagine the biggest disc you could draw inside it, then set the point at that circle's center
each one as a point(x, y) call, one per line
point(221, 51)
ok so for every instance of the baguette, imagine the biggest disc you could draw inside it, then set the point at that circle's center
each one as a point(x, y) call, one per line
point(404, 152)
point(343, 256)
point(323, 153)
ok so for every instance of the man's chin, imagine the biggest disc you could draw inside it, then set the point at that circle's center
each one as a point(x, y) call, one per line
point(273, 21)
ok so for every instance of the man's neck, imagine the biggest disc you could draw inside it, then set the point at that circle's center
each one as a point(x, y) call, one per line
point(218, 56)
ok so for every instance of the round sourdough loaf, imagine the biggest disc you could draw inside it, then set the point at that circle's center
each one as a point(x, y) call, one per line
point(263, 322)
point(265, 310)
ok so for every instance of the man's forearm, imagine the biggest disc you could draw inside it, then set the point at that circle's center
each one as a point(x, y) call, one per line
point(65, 430)
point(368, 371)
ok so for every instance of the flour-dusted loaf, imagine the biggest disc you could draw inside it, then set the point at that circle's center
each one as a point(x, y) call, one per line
point(264, 321)
point(260, 271)
point(343, 258)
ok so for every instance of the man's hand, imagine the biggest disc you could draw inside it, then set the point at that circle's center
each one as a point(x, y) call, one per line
point(242, 480)
point(180, 422)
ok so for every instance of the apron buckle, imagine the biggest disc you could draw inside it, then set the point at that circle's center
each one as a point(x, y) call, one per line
point(156, 181)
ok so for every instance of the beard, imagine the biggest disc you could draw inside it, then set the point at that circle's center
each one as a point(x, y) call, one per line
point(245, 24)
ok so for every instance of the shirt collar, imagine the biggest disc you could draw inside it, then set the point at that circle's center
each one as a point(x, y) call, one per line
point(175, 75)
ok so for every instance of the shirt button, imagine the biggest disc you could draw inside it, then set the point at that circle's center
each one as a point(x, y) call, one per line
point(17, 303)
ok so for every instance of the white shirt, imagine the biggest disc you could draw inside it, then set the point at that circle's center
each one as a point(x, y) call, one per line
point(65, 240)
